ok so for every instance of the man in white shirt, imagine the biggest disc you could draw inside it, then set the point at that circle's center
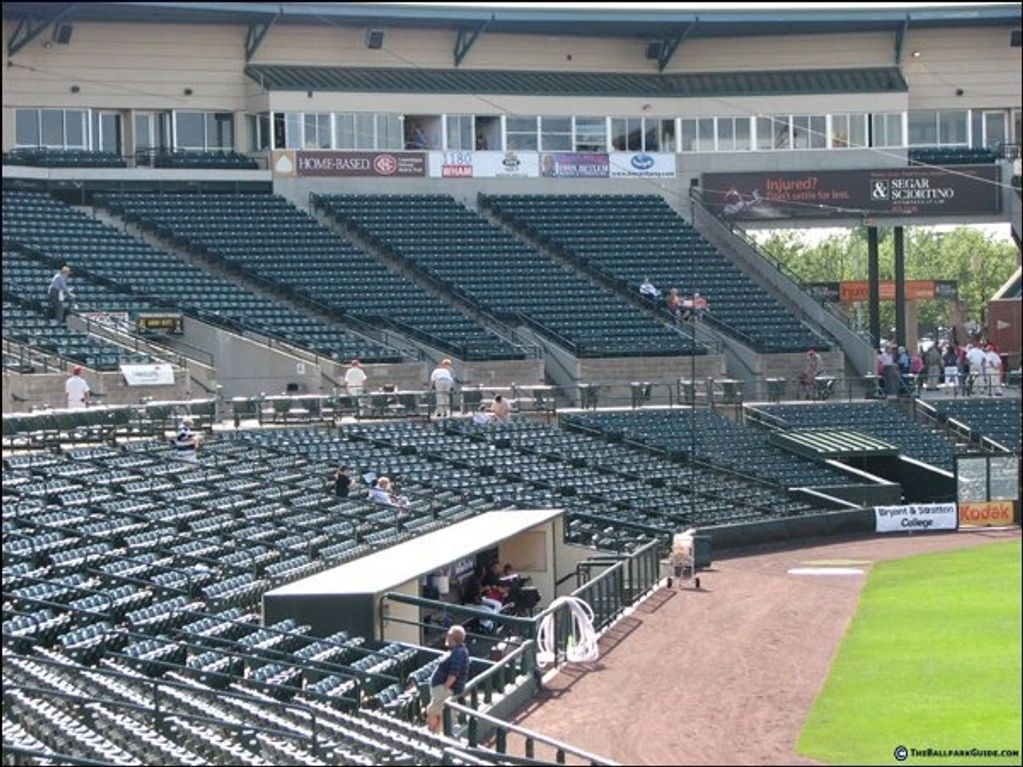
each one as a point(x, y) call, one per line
point(355, 378)
point(442, 382)
point(993, 371)
point(647, 289)
point(76, 390)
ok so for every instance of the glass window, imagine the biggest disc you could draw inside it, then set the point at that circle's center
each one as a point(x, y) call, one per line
point(52, 122)
point(952, 127)
point(652, 135)
point(26, 127)
point(191, 130)
point(848, 131)
point(388, 132)
point(460, 132)
point(809, 132)
point(317, 131)
point(705, 134)
point(742, 135)
point(292, 130)
point(590, 134)
point(264, 132)
point(76, 129)
point(923, 128)
point(344, 131)
point(521, 133)
point(725, 134)
point(220, 130)
point(556, 134)
point(887, 129)
point(106, 132)
point(365, 131)
point(782, 131)
point(765, 133)
point(666, 136)
point(688, 143)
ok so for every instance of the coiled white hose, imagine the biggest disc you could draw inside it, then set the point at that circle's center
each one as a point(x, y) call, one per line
point(582, 643)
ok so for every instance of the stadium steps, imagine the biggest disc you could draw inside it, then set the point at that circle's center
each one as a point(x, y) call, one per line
point(261, 287)
point(429, 284)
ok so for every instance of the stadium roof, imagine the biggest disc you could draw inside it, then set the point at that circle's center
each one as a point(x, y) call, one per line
point(653, 24)
point(667, 29)
point(508, 82)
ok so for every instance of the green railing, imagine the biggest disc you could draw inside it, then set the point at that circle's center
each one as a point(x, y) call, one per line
point(531, 738)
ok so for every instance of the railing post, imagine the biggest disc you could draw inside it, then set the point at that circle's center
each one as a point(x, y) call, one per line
point(502, 740)
point(473, 731)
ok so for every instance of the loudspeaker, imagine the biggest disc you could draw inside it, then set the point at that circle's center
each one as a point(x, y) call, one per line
point(1014, 38)
point(374, 39)
point(653, 51)
point(62, 33)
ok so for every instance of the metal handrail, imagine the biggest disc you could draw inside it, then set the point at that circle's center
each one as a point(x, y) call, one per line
point(531, 735)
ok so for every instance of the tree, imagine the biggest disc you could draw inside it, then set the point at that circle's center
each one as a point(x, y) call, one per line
point(978, 262)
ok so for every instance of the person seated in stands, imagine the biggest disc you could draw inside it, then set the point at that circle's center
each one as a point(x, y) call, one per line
point(500, 410)
point(647, 289)
point(186, 443)
point(418, 140)
point(383, 492)
point(673, 303)
point(814, 367)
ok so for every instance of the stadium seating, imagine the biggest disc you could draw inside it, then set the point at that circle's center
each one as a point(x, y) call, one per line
point(997, 419)
point(267, 236)
point(718, 442)
point(37, 223)
point(951, 155)
point(876, 419)
point(63, 158)
point(197, 160)
point(488, 266)
point(33, 329)
point(629, 237)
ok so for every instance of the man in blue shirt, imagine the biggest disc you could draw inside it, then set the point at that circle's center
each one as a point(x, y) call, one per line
point(450, 677)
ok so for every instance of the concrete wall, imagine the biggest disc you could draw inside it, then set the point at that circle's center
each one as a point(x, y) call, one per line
point(23, 391)
point(247, 368)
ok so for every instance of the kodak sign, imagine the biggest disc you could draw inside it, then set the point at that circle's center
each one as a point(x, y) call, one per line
point(990, 514)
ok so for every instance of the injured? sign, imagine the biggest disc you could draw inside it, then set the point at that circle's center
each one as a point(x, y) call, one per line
point(915, 517)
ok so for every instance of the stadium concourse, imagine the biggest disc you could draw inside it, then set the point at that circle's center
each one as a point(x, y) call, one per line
point(552, 208)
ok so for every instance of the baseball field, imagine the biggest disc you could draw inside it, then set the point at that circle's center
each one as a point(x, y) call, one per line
point(929, 670)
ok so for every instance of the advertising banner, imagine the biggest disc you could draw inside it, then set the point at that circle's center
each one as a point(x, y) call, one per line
point(148, 375)
point(484, 164)
point(989, 514)
point(970, 189)
point(915, 517)
point(642, 165)
point(573, 165)
point(289, 162)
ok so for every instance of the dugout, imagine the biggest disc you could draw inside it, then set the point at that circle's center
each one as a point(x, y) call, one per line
point(349, 597)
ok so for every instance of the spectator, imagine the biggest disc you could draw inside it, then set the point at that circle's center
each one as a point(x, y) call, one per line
point(993, 371)
point(342, 482)
point(950, 361)
point(647, 289)
point(934, 365)
point(501, 409)
point(481, 142)
point(903, 361)
point(673, 302)
point(187, 442)
point(442, 382)
point(381, 492)
point(889, 371)
point(418, 140)
point(450, 677)
point(59, 293)
point(355, 378)
point(976, 360)
point(76, 390)
point(814, 367)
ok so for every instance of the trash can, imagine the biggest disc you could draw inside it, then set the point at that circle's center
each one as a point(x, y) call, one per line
point(686, 392)
point(731, 391)
point(701, 551)
point(640, 392)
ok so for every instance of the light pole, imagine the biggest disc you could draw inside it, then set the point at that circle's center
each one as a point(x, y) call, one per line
point(692, 414)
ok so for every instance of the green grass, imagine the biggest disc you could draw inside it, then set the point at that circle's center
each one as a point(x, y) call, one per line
point(931, 660)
